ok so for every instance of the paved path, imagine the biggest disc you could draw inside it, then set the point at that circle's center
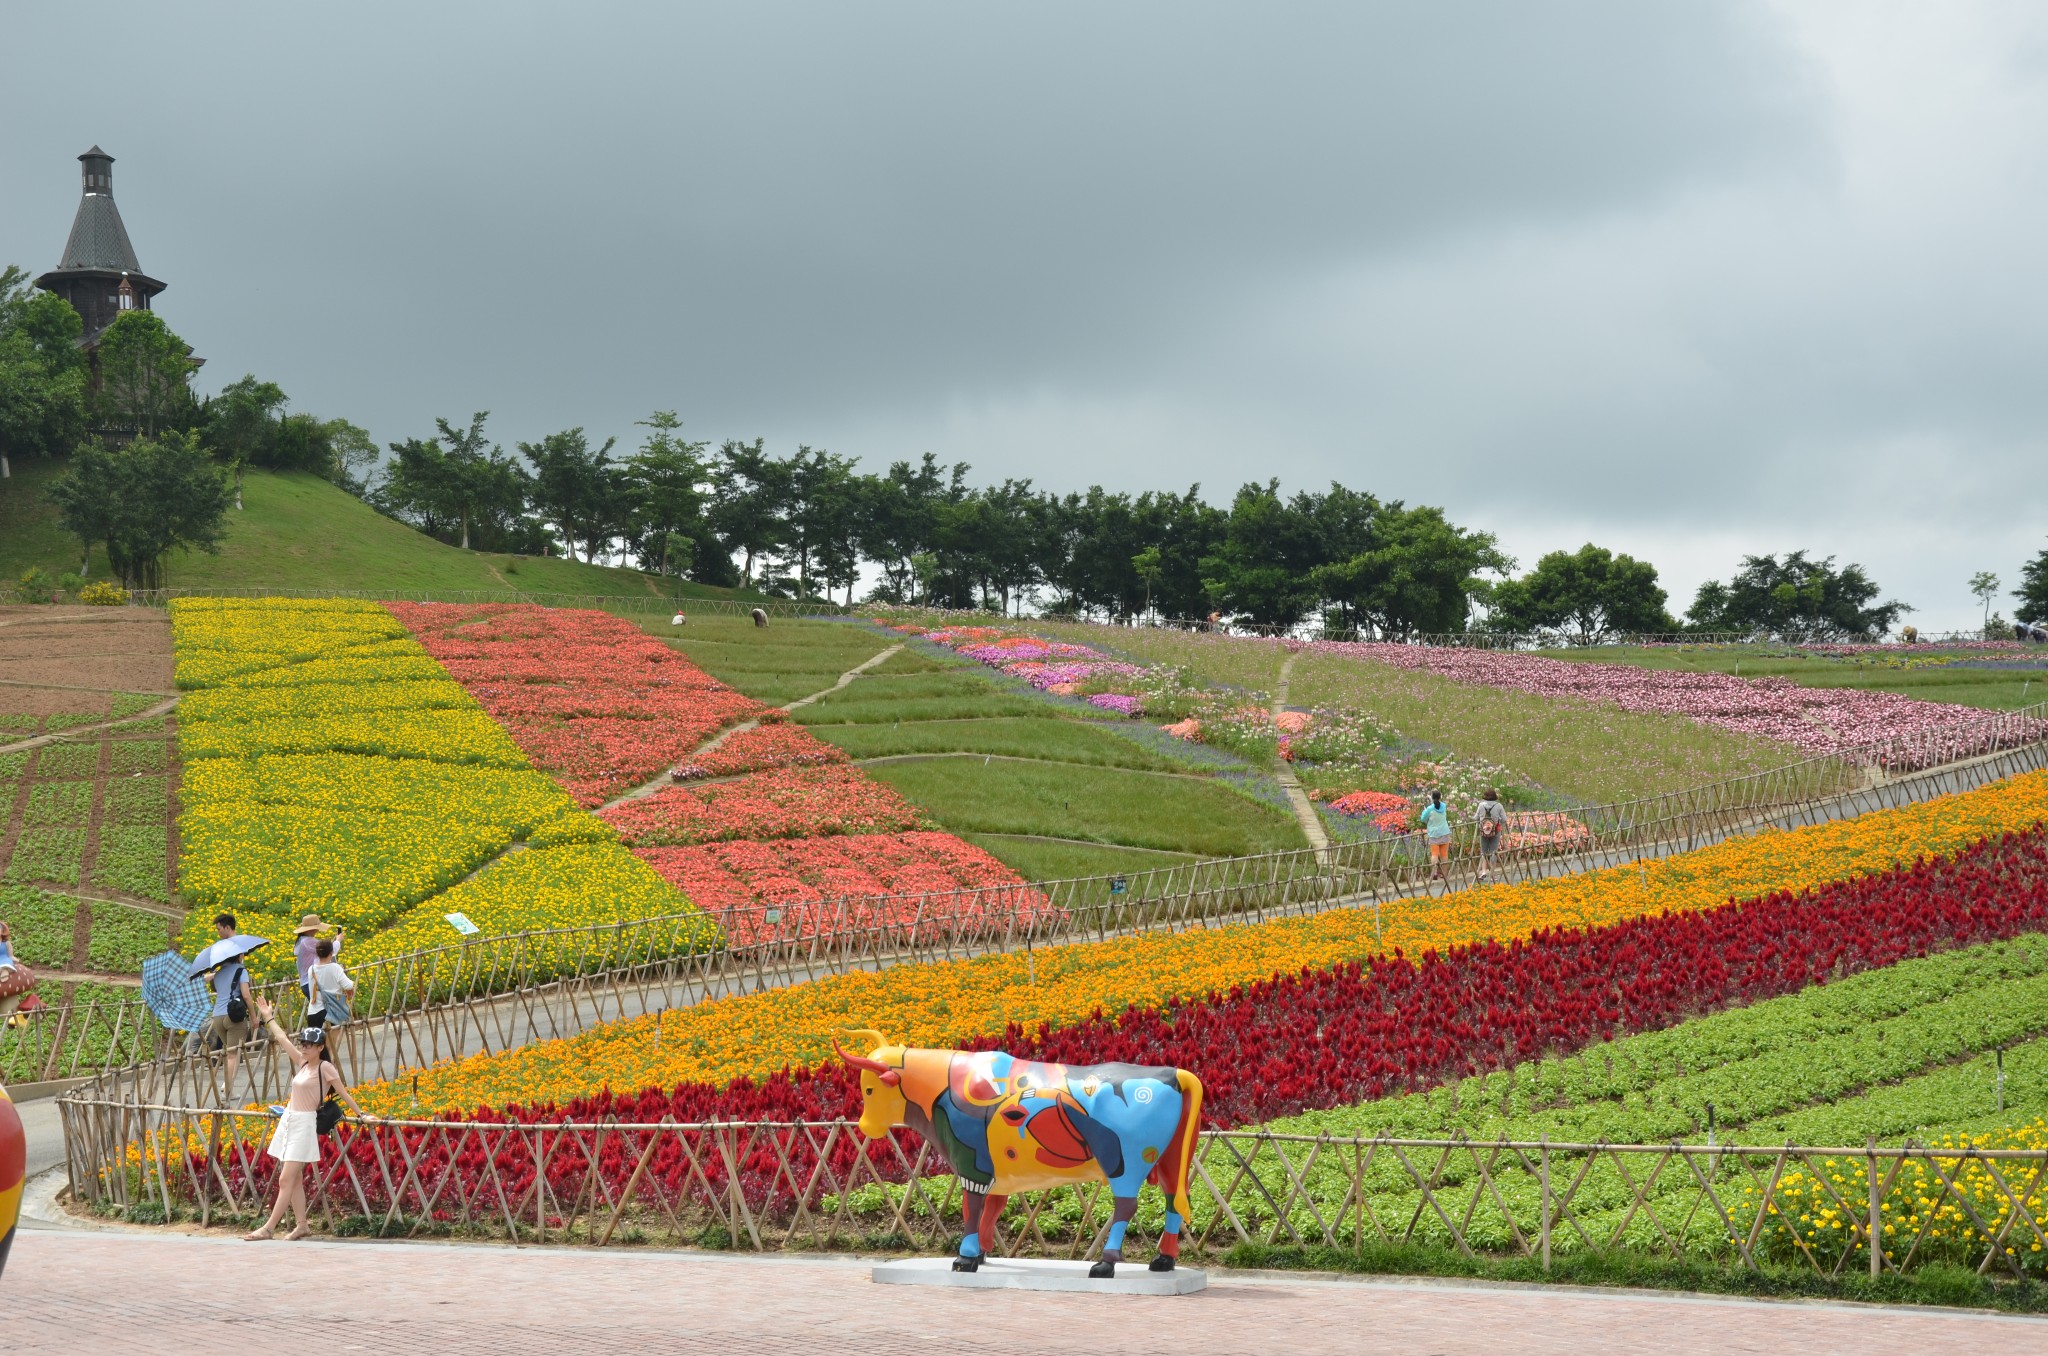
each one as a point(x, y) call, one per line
point(72, 1292)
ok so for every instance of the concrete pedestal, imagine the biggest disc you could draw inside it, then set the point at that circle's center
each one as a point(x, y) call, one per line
point(1017, 1273)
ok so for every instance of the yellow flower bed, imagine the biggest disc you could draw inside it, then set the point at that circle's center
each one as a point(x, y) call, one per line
point(333, 767)
point(937, 1004)
point(574, 885)
point(1936, 1219)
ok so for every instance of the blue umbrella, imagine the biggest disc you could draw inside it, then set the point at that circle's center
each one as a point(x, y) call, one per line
point(220, 953)
point(179, 1003)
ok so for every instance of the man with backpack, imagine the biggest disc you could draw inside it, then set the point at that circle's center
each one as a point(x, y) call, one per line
point(1493, 826)
point(234, 1005)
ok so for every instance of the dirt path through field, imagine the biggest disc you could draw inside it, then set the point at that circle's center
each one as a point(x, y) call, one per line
point(661, 779)
point(1304, 809)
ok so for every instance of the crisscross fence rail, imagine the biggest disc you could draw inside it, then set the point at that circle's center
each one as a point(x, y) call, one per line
point(492, 993)
point(822, 1185)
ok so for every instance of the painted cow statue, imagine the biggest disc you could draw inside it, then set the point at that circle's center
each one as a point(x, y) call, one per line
point(1008, 1125)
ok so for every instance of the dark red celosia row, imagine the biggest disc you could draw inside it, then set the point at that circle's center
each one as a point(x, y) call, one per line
point(1361, 1031)
point(1370, 1029)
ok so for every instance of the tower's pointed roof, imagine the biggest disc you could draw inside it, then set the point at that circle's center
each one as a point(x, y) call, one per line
point(98, 239)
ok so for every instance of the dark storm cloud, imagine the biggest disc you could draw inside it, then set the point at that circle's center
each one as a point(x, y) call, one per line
point(1604, 245)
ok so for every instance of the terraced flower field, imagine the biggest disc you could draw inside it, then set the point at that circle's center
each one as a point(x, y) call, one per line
point(1053, 788)
point(1015, 998)
point(386, 767)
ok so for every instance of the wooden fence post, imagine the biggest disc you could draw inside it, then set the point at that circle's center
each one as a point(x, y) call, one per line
point(1543, 1171)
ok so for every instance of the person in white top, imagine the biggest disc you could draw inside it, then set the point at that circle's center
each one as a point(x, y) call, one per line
point(297, 1139)
point(332, 991)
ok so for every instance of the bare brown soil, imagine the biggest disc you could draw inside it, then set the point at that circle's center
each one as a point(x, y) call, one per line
point(105, 649)
point(49, 701)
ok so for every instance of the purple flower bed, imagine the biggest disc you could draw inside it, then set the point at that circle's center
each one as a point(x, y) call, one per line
point(1816, 719)
point(1115, 701)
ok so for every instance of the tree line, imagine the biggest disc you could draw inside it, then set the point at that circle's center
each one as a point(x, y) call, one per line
point(815, 524)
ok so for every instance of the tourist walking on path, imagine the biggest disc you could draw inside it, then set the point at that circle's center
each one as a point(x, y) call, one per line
point(296, 1142)
point(306, 951)
point(227, 1027)
point(331, 993)
point(1436, 828)
point(1493, 826)
point(332, 990)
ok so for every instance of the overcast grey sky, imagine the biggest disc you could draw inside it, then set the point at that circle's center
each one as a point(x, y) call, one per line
point(1687, 279)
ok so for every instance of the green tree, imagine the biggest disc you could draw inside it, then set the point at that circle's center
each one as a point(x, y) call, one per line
point(1796, 599)
point(1418, 575)
point(666, 485)
point(145, 376)
point(1985, 585)
point(352, 454)
point(242, 425)
point(898, 519)
point(1590, 592)
point(143, 501)
point(44, 377)
point(480, 484)
point(820, 513)
point(1150, 566)
point(2033, 590)
point(459, 485)
point(579, 489)
point(751, 502)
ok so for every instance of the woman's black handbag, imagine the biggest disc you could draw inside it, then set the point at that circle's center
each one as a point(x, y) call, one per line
point(328, 1115)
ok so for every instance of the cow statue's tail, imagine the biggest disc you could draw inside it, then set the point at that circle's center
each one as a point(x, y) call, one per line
point(1170, 1174)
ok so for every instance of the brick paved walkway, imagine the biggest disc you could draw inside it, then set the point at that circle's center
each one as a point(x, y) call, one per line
point(83, 1292)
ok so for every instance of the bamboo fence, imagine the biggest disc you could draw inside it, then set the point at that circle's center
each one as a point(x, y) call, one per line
point(822, 1185)
point(484, 994)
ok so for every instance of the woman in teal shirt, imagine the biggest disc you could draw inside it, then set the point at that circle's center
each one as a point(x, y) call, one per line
point(1436, 828)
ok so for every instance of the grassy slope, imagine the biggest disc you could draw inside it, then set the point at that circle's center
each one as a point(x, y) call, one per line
point(1585, 750)
point(300, 532)
point(1040, 771)
point(1595, 752)
point(1996, 689)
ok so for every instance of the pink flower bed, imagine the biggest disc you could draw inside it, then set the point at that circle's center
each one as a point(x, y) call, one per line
point(801, 802)
point(1816, 719)
point(589, 697)
point(1388, 812)
point(1056, 666)
point(756, 750)
point(839, 883)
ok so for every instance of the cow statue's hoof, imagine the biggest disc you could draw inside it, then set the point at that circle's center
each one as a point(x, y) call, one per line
point(966, 1264)
point(1105, 1270)
point(1161, 1263)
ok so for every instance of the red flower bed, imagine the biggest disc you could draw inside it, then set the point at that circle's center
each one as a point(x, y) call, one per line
point(764, 746)
point(786, 803)
point(763, 891)
point(590, 698)
point(1328, 1038)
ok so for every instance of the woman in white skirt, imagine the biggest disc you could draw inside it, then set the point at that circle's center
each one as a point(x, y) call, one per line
point(296, 1142)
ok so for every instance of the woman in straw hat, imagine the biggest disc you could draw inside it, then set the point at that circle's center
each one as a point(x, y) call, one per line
point(306, 950)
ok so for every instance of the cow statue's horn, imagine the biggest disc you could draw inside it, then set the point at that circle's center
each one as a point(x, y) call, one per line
point(875, 1066)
